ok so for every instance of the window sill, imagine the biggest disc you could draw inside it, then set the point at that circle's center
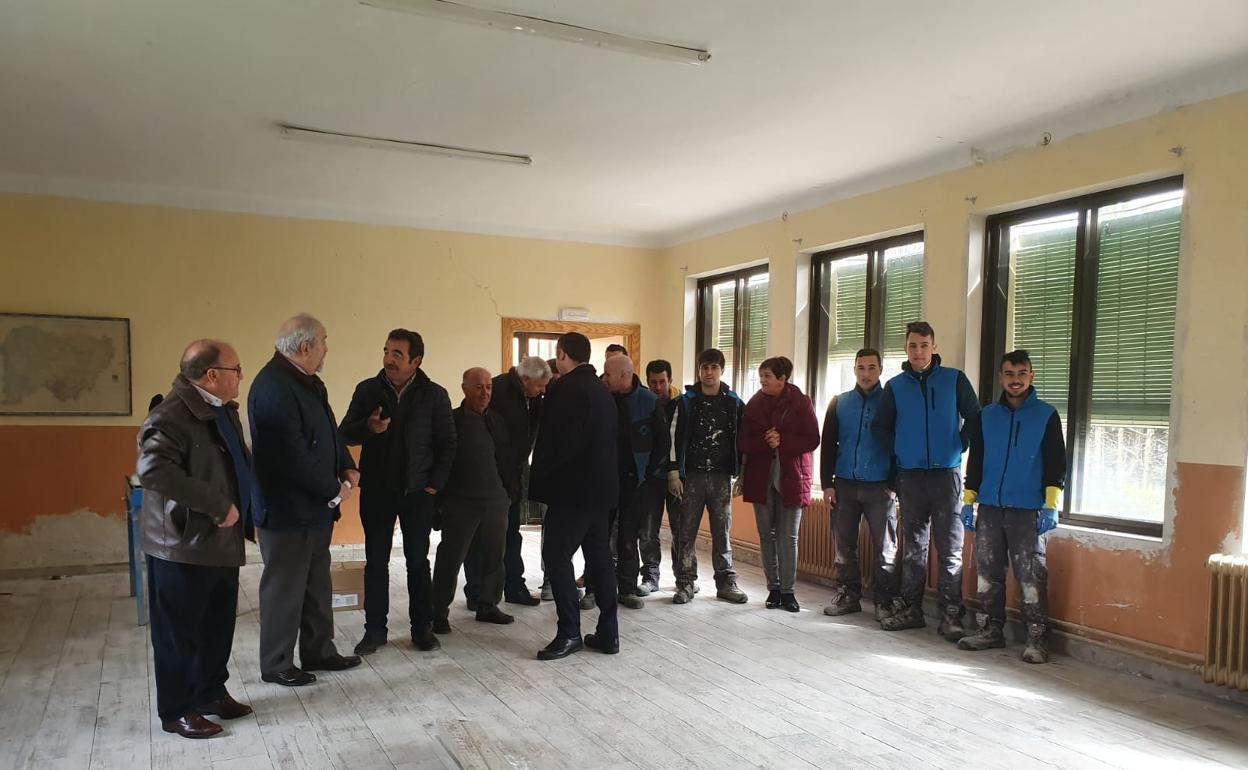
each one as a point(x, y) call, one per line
point(1110, 538)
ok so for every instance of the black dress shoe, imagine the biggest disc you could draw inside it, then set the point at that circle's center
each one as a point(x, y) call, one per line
point(370, 643)
point(191, 726)
point(494, 615)
point(291, 677)
point(525, 599)
point(603, 646)
point(425, 641)
point(560, 648)
point(471, 604)
point(336, 663)
point(788, 603)
point(441, 626)
point(225, 707)
point(773, 600)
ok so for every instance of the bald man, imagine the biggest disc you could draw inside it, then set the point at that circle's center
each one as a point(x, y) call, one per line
point(198, 496)
point(474, 503)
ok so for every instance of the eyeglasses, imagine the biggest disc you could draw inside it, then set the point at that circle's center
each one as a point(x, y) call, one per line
point(236, 369)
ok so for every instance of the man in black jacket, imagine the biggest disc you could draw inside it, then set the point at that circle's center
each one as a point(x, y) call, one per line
point(403, 420)
point(474, 503)
point(199, 493)
point(516, 398)
point(576, 475)
point(304, 472)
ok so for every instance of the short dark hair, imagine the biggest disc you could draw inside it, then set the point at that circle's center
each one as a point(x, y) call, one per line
point(921, 328)
point(779, 366)
point(1016, 357)
point(194, 367)
point(711, 356)
point(575, 346)
point(868, 352)
point(616, 347)
point(659, 365)
point(415, 343)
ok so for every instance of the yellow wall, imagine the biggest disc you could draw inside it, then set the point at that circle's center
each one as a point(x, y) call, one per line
point(1153, 592)
point(180, 274)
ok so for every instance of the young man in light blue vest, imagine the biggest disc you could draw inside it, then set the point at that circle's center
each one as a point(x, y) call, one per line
point(857, 475)
point(1016, 473)
point(921, 415)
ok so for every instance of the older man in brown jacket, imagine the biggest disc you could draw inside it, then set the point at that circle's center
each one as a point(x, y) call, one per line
point(198, 494)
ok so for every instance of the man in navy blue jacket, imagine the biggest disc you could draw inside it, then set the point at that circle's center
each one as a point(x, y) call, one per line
point(576, 475)
point(920, 416)
point(857, 475)
point(1016, 473)
point(304, 472)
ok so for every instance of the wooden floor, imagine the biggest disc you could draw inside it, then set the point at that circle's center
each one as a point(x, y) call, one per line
point(702, 685)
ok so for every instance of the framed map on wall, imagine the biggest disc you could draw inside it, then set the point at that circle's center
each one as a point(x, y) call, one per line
point(64, 365)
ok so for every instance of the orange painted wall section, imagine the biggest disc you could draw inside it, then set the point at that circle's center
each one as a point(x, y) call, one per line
point(56, 470)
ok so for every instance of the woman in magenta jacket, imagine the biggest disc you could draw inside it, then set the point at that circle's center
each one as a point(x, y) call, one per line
point(778, 433)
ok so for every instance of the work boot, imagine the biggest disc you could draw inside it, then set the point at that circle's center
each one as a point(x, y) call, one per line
point(729, 592)
point(684, 595)
point(646, 587)
point(885, 610)
point(989, 636)
point(632, 601)
point(950, 626)
point(587, 601)
point(903, 618)
point(843, 603)
point(1036, 651)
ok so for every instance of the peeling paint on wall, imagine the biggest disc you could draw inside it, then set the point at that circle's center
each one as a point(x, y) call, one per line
point(83, 537)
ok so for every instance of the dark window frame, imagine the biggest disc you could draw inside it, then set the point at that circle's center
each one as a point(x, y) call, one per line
point(820, 302)
point(740, 340)
point(996, 293)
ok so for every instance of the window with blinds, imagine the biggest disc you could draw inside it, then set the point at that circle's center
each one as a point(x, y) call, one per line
point(862, 296)
point(1089, 287)
point(732, 316)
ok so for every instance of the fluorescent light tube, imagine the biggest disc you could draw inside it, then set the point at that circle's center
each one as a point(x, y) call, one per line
point(375, 143)
point(557, 30)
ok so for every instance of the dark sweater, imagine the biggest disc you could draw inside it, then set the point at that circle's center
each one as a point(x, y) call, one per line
point(475, 473)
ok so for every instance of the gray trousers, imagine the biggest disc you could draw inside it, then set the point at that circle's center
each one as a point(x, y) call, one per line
point(295, 598)
point(712, 492)
point(650, 545)
point(931, 503)
point(854, 500)
point(777, 540)
point(462, 521)
point(1005, 536)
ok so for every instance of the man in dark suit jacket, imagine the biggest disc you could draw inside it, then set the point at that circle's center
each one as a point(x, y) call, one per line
point(198, 496)
point(576, 475)
point(403, 421)
point(305, 473)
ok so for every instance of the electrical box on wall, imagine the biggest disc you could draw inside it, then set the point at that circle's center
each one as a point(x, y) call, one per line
point(573, 314)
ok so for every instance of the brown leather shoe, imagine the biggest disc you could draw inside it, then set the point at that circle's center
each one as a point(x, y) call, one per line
point(191, 726)
point(225, 707)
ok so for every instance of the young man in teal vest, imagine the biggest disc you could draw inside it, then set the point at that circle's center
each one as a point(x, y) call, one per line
point(857, 475)
point(1016, 473)
point(921, 416)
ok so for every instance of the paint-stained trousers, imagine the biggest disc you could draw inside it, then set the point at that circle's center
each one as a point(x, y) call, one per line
point(710, 492)
point(855, 500)
point(930, 502)
point(1004, 537)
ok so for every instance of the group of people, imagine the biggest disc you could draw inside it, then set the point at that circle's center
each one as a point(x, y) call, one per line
point(606, 455)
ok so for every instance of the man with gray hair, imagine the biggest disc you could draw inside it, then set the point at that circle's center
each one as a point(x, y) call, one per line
point(517, 400)
point(305, 473)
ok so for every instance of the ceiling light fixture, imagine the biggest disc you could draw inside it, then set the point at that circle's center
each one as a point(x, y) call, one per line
point(557, 30)
point(375, 143)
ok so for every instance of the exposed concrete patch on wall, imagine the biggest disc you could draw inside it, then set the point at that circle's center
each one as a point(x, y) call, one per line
point(78, 538)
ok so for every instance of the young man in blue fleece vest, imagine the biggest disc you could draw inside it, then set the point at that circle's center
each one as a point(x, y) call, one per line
point(857, 475)
point(921, 415)
point(1016, 473)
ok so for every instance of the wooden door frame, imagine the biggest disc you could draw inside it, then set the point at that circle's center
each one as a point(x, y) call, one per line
point(630, 332)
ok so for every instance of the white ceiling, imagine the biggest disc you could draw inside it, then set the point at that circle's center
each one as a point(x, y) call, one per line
point(176, 102)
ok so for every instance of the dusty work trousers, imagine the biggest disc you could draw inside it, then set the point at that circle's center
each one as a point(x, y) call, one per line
point(930, 515)
point(1005, 537)
point(855, 500)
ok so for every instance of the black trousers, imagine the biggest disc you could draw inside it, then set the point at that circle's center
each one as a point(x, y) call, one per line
point(930, 502)
point(192, 622)
point(568, 529)
point(654, 499)
point(379, 509)
point(513, 561)
point(854, 501)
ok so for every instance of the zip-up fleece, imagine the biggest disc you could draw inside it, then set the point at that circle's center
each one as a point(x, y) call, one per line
point(921, 416)
point(851, 449)
point(680, 435)
point(1016, 453)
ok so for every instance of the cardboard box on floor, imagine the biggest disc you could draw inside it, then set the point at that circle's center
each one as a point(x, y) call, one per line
point(347, 578)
